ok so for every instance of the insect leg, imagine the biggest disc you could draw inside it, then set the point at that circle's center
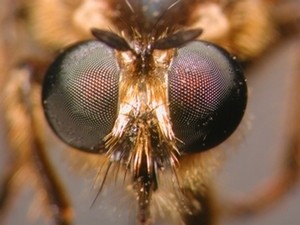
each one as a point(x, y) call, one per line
point(22, 102)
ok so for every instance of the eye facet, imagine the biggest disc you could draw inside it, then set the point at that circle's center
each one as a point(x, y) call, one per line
point(207, 96)
point(80, 94)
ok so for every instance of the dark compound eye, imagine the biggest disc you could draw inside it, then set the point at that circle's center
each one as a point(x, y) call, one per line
point(80, 94)
point(207, 95)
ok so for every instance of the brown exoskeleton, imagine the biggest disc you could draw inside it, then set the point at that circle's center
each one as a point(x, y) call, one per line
point(130, 190)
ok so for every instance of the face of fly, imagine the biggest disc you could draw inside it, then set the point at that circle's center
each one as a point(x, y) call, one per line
point(146, 98)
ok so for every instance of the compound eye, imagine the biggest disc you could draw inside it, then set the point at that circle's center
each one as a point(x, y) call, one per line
point(207, 96)
point(80, 94)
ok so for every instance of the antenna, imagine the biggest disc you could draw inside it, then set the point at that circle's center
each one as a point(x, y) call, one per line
point(161, 16)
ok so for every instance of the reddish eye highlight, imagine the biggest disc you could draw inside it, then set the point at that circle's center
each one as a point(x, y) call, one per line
point(207, 94)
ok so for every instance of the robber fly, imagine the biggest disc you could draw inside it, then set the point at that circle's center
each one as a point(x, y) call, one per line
point(135, 95)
